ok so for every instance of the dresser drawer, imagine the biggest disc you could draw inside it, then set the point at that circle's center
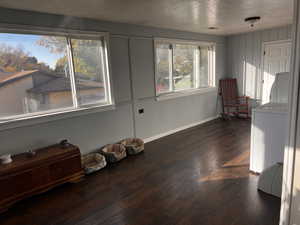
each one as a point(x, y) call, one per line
point(27, 176)
point(15, 184)
point(65, 168)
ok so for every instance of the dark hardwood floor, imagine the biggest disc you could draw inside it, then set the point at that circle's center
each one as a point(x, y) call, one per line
point(195, 177)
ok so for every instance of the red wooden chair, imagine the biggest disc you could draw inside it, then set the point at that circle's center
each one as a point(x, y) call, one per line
point(232, 104)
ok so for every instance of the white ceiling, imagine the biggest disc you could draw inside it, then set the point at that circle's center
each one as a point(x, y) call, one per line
point(188, 15)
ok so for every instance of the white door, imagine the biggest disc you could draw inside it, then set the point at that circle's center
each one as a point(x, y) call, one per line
point(276, 59)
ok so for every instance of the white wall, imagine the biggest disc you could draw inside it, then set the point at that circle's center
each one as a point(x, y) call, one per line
point(133, 81)
point(244, 57)
point(163, 116)
point(292, 160)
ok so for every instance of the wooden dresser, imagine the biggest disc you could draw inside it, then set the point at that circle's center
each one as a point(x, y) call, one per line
point(29, 175)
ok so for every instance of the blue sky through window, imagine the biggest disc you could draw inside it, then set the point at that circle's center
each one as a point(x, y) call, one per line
point(29, 44)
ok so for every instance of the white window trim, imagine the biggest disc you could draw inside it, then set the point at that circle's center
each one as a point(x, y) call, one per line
point(50, 116)
point(192, 91)
point(188, 92)
point(67, 112)
point(183, 41)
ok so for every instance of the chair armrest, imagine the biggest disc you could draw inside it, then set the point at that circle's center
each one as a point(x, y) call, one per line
point(244, 99)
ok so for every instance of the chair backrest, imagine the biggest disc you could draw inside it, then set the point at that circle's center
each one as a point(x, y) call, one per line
point(228, 90)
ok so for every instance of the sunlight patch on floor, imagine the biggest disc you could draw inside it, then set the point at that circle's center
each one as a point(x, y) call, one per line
point(238, 167)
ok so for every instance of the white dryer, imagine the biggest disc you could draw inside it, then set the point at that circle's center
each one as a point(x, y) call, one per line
point(269, 127)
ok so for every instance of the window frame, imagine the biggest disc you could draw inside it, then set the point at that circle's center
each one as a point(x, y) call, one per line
point(172, 93)
point(75, 110)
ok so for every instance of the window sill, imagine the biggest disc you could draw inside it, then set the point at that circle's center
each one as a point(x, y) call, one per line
point(179, 94)
point(52, 116)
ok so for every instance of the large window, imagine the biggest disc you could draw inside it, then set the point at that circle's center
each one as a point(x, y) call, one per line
point(183, 66)
point(41, 74)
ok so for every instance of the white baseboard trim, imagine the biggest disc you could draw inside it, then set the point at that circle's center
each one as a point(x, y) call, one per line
point(146, 140)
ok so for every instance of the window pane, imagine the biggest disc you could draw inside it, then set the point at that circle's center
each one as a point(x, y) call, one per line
point(89, 71)
point(204, 73)
point(163, 68)
point(184, 68)
point(34, 74)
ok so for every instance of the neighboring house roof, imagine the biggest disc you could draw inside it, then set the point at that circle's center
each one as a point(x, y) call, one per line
point(7, 77)
point(54, 83)
point(62, 84)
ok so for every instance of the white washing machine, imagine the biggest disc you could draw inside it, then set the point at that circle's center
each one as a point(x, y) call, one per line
point(269, 127)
